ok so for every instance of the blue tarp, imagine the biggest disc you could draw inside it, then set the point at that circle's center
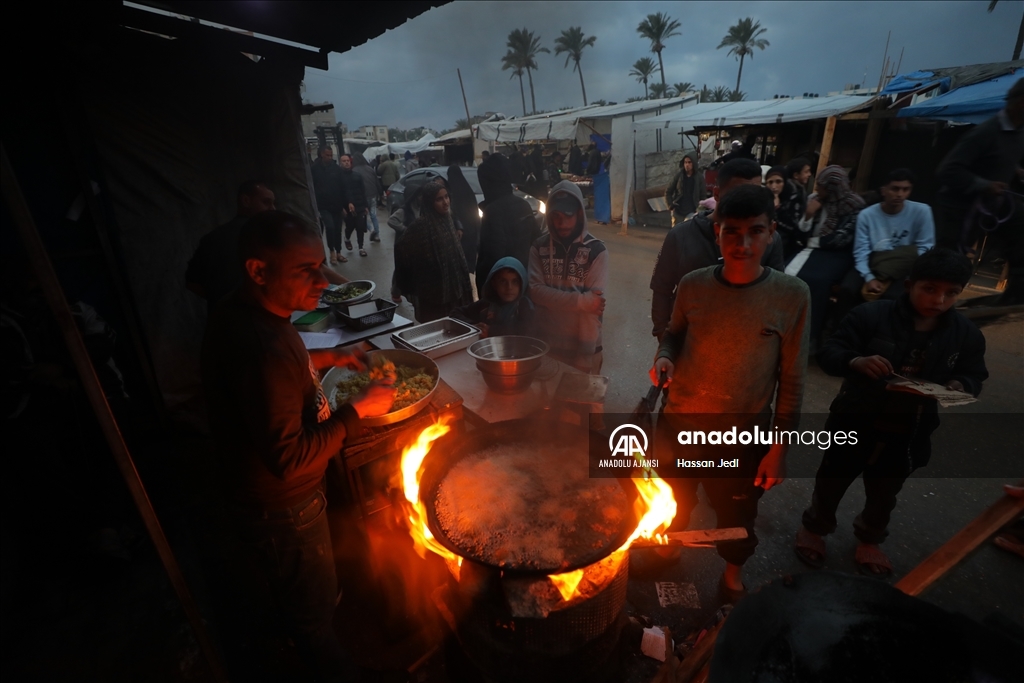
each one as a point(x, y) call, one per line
point(915, 80)
point(969, 104)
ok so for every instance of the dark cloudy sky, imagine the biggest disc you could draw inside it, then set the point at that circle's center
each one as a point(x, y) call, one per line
point(406, 78)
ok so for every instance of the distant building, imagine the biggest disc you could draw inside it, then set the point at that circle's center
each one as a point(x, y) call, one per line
point(379, 133)
point(317, 115)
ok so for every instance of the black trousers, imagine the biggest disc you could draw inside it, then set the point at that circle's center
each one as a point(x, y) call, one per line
point(355, 222)
point(885, 464)
point(332, 224)
point(732, 493)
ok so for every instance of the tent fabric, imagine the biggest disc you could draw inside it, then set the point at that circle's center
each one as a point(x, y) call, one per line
point(969, 104)
point(725, 114)
point(950, 78)
point(916, 80)
point(562, 125)
point(172, 168)
point(400, 148)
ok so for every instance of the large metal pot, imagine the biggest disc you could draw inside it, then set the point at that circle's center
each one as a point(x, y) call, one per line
point(543, 434)
point(508, 364)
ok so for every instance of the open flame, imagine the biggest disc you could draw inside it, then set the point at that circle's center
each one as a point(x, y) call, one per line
point(655, 507)
point(566, 583)
point(412, 470)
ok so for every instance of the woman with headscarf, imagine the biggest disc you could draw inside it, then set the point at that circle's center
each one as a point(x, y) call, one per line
point(508, 226)
point(466, 212)
point(429, 262)
point(828, 224)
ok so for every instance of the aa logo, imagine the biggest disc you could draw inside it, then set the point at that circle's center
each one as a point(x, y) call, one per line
point(628, 441)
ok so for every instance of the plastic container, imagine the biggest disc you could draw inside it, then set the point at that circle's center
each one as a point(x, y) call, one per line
point(369, 314)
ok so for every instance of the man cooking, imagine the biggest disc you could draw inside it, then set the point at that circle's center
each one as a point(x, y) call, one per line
point(275, 428)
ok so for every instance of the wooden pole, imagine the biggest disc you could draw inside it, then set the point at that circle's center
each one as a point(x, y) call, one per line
point(469, 120)
point(40, 262)
point(867, 153)
point(957, 548)
point(826, 144)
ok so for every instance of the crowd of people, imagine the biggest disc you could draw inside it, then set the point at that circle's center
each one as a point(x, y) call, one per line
point(741, 295)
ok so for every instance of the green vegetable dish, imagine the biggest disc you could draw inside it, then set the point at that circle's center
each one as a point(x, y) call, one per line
point(343, 294)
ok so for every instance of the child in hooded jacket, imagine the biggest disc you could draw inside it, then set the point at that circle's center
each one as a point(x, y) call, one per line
point(504, 307)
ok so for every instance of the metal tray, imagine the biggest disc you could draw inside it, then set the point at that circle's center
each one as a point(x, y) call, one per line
point(437, 338)
point(410, 359)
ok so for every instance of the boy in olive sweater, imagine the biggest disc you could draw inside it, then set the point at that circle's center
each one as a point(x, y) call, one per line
point(737, 341)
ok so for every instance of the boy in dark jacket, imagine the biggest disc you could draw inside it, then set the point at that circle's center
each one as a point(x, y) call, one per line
point(503, 308)
point(917, 336)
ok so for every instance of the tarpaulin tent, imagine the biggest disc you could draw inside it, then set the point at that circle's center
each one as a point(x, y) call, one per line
point(949, 78)
point(400, 148)
point(612, 122)
point(969, 104)
point(725, 114)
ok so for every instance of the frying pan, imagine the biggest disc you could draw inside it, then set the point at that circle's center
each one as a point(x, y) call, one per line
point(541, 434)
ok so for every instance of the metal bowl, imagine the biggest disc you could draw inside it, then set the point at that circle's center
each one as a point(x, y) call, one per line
point(326, 300)
point(508, 384)
point(509, 355)
point(410, 359)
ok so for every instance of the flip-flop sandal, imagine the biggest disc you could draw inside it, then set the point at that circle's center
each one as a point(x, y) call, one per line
point(808, 543)
point(348, 245)
point(342, 259)
point(867, 557)
point(362, 252)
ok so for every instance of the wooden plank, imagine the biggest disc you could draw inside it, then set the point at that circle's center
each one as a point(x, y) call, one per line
point(699, 537)
point(957, 548)
point(699, 656)
point(826, 144)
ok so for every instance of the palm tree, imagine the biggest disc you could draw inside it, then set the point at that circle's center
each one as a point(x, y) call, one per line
point(572, 42)
point(681, 89)
point(658, 91)
point(737, 96)
point(643, 69)
point(719, 94)
point(658, 28)
point(635, 99)
point(705, 93)
point(742, 39)
point(527, 46)
point(512, 61)
point(1020, 32)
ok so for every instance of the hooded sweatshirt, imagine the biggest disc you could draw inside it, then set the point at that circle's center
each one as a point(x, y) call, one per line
point(563, 275)
point(501, 318)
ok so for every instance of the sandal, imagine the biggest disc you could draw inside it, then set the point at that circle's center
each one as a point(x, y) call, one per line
point(342, 259)
point(362, 252)
point(870, 559)
point(730, 595)
point(810, 548)
point(348, 244)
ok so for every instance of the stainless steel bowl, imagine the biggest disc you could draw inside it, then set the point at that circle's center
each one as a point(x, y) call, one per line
point(510, 355)
point(399, 357)
point(508, 384)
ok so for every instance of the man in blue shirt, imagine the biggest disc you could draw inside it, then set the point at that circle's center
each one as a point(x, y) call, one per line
point(889, 238)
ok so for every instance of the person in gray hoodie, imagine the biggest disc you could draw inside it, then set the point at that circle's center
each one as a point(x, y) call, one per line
point(568, 276)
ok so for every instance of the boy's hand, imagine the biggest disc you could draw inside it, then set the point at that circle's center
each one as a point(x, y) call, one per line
point(772, 470)
point(813, 205)
point(954, 385)
point(594, 301)
point(662, 365)
point(875, 286)
point(875, 367)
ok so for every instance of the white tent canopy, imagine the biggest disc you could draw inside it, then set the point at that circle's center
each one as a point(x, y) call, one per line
point(725, 114)
point(400, 148)
point(562, 125)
